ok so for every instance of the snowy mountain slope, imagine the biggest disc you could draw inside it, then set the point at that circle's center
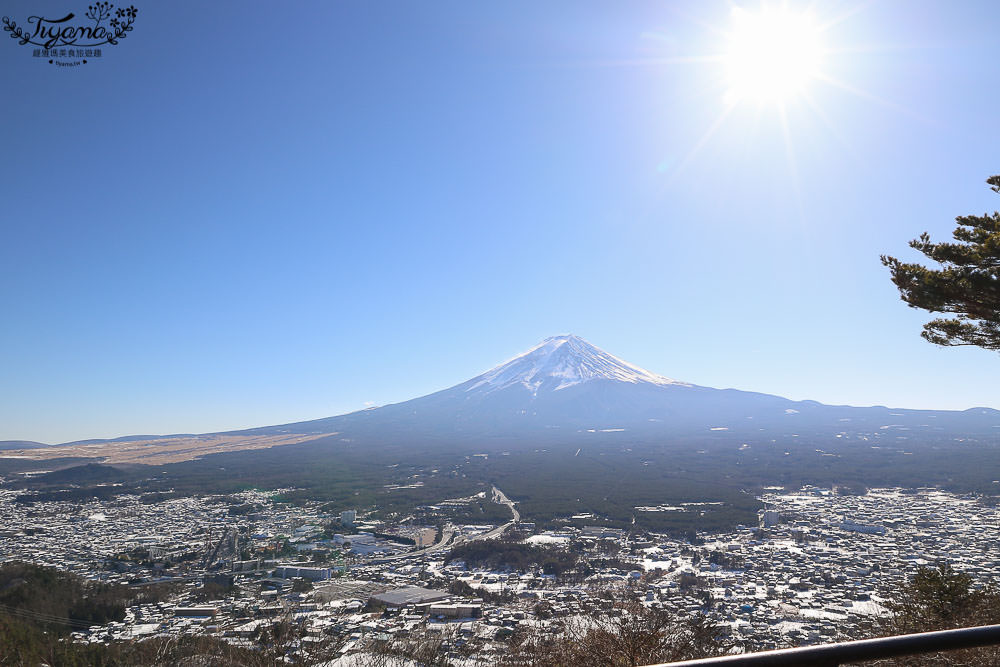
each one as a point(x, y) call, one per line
point(563, 361)
point(566, 388)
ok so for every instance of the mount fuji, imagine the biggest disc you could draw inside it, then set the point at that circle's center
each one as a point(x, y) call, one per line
point(559, 362)
point(566, 429)
point(565, 388)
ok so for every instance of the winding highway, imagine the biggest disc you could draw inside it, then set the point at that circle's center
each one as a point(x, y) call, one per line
point(449, 532)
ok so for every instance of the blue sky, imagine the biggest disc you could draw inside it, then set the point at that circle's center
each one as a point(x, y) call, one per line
point(242, 216)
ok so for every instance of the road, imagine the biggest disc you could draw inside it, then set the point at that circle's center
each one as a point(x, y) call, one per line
point(449, 532)
point(500, 497)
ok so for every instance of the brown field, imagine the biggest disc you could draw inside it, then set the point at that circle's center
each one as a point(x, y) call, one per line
point(162, 450)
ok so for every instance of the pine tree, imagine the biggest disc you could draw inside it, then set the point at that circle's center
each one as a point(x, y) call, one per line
point(967, 284)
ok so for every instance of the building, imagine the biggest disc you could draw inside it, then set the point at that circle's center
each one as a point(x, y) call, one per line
point(310, 573)
point(457, 610)
point(770, 518)
point(400, 597)
point(601, 533)
point(853, 527)
point(347, 517)
point(196, 611)
point(365, 543)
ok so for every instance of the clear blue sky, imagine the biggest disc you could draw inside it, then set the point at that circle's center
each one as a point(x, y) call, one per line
point(253, 214)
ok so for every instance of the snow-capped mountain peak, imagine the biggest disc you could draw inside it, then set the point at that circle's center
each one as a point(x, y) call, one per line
point(563, 361)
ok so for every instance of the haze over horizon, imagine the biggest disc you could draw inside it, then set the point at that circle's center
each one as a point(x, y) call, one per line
point(554, 364)
point(215, 235)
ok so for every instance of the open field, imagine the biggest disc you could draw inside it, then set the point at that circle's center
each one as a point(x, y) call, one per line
point(158, 451)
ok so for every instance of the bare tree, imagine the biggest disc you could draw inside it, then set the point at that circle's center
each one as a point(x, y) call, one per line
point(628, 635)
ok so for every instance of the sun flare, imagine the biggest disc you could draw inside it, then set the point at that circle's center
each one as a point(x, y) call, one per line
point(772, 55)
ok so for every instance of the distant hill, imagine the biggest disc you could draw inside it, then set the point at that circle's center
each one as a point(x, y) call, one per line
point(127, 438)
point(20, 444)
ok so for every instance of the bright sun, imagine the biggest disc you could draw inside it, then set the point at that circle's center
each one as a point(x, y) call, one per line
point(772, 54)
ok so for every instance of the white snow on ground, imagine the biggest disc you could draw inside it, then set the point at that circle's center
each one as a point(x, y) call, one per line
point(547, 539)
point(565, 360)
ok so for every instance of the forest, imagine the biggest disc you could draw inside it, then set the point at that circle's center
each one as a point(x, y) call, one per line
point(712, 479)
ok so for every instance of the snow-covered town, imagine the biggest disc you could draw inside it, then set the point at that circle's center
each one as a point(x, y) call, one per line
point(815, 568)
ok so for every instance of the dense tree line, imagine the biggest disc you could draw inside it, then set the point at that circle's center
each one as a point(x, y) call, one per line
point(24, 643)
point(941, 598)
point(59, 601)
point(499, 554)
point(40, 606)
point(628, 635)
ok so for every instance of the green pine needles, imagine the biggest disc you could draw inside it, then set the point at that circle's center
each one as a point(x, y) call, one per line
point(967, 285)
